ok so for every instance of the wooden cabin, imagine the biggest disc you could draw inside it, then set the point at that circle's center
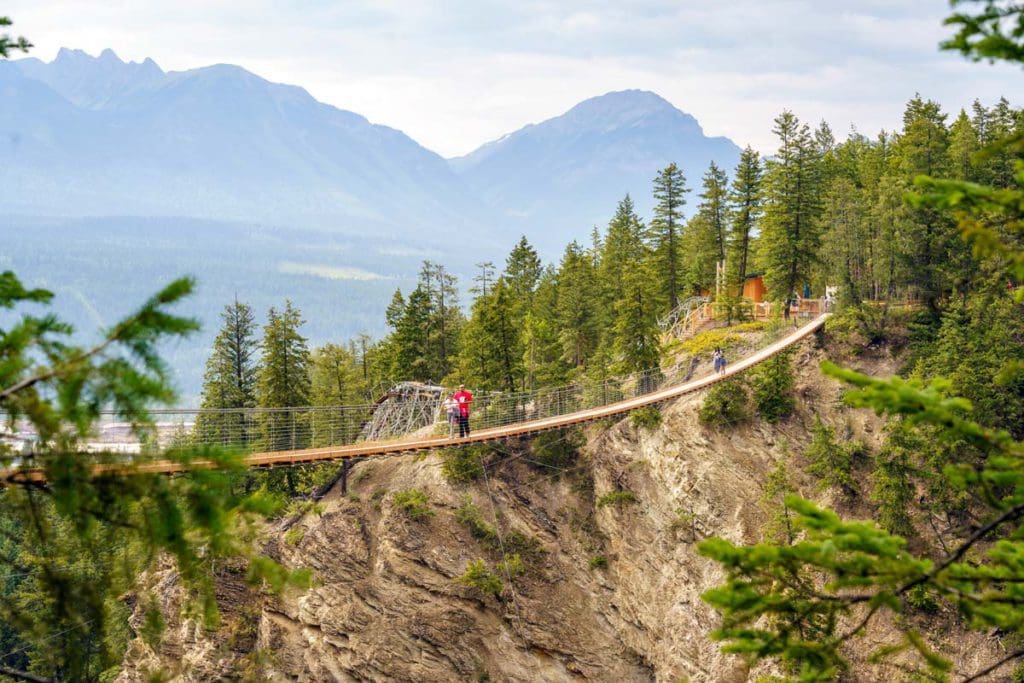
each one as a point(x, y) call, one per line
point(753, 288)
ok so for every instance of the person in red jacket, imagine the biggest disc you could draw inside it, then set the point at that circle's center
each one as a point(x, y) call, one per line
point(463, 398)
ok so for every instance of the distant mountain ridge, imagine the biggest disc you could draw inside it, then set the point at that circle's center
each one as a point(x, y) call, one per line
point(95, 136)
point(92, 83)
point(571, 169)
point(98, 136)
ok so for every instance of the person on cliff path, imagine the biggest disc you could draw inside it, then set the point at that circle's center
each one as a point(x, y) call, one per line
point(463, 398)
point(451, 411)
point(719, 360)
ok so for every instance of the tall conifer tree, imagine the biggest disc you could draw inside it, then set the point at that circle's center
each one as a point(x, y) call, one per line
point(664, 234)
point(230, 377)
point(579, 316)
point(714, 207)
point(334, 381)
point(283, 379)
point(790, 231)
point(746, 200)
point(922, 148)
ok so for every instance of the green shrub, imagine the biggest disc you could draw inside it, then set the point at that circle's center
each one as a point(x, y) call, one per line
point(648, 417)
point(893, 489)
point(512, 566)
point(832, 462)
point(556, 449)
point(515, 543)
point(617, 498)
point(469, 516)
point(598, 562)
point(414, 503)
point(301, 507)
point(294, 535)
point(478, 576)
point(921, 599)
point(463, 465)
point(772, 383)
point(726, 403)
point(512, 543)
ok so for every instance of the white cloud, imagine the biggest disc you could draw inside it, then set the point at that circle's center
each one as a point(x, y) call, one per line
point(456, 74)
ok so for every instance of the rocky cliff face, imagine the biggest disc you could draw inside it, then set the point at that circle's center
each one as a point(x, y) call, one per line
point(610, 592)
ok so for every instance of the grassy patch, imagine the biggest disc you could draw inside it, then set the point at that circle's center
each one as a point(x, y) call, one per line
point(617, 498)
point(413, 503)
point(598, 562)
point(301, 507)
point(512, 566)
point(723, 337)
point(294, 535)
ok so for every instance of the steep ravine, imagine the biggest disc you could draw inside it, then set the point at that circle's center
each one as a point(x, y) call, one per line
point(385, 606)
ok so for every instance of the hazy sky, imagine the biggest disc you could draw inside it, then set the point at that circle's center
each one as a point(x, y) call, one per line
point(455, 74)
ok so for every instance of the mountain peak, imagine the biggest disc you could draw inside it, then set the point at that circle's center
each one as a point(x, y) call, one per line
point(630, 98)
point(623, 108)
point(109, 56)
point(67, 55)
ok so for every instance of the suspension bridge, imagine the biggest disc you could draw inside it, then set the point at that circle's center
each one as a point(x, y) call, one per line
point(296, 436)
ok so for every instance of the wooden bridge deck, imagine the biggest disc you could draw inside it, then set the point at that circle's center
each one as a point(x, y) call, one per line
point(400, 446)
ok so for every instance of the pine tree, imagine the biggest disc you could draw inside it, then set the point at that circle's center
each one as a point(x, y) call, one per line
point(963, 145)
point(230, 378)
point(621, 250)
point(579, 315)
point(493, 357)
point(634, 328)
point(714, 207)
point(892, 219)
point(790, 228)
point(922, 149)
point(522, 273)
point(999, 160)
point(664, 235)
point(846, 237)
point(444, 319)
point(334, 382)
point(283, 380)
point(411, 339)
point(542, 348)
point(700, 243)
point(746, 200)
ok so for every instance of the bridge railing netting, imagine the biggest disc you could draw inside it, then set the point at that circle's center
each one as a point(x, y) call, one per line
point(284, 429)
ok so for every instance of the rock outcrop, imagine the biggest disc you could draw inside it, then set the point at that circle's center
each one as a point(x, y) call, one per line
point(611, 587)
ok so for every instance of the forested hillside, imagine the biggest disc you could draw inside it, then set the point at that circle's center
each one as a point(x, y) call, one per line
point(818, 213)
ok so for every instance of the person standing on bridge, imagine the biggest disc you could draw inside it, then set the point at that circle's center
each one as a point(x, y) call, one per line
point(451, 412)
point(463, 398)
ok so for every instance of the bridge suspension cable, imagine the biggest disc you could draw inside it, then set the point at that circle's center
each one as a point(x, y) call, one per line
point(290, 436)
